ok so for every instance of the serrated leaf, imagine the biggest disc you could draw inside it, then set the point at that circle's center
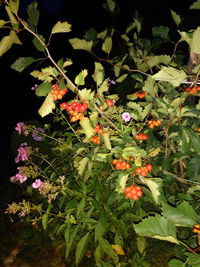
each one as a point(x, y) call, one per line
point(98, 74)
point(176, 263)
point(107, 248)
point(80, 78)
point(121, 78)
point(107, 45)
point(161, 31)
point(21, 63)
point(194, 139)
point(43, 89)
point(14, 6)
point(176, 18)
point(38, 45)
point(150, 87)
point(87, 128)
point(157, 60)
point(157, 227)
point(67, 63)
point(47, 106)
point(137, 108)
point(82, 166)
point(103, 87)
point(86, 94)
point(193, 168)
point(61, 27)
point(155, 185)
point(46, 74)
point(2, 22)
point(146, 111)
point(195, 46)
point(81, 44)
point(195, 5)
point(33, 14)
point(81, 248)
point(182, 215)
point(193, 259)
point(121, 183)
point(5, 44)
point(111, 5)
point(170, 74)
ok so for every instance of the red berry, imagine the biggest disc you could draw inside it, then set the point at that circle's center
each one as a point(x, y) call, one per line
point(64, 105)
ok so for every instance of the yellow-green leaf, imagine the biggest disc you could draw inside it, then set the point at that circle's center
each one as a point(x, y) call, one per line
point(47, 106)
point(14, 6)
point(81, 44)
point(98, 75)
point(86, 94)
point(80, 78)
point(195, 46)
point(107, 45)
point(60, 27)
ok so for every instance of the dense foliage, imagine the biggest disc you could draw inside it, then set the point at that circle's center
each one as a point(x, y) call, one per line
point(116, 166)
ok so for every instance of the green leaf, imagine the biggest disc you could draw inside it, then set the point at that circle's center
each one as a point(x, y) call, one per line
point(98, 74)
point(103, 87)
point(2, 22)
point(195, 5)
point(195, 46)
point(194, 139)
point(14, 6)
point(43, 89)
point(111, 5)
point(150, 87)
point(5, 44)
point(176, 263)
point(86, 126)
point(70, 234)
point(182, 215)
point(107, 45)
point(193, 168)
point(38, 45)
point(81, 44)
point(161, 31)
point(61, 27)
point(193, 259)
point(155, 185)
point(176, 18)
point(157, 60)
point(47, 106)
point(121, 183)
point(170, 74)
point(33, 14)
point(81, 248)
point(82, 166)
point(45, 220)
point(46, 74)
point(107, 249)
point(86, 94)
point(157, 227)
point(21, 63)
point(80, 78)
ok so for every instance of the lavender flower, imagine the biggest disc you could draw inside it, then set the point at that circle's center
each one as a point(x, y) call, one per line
point(22, 153)
point(111, 82)
point(34, 87)
point(126, 116)
point(36, 134)
point(37, 183)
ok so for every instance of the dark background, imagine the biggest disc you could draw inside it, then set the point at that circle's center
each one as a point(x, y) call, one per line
point(18, 101)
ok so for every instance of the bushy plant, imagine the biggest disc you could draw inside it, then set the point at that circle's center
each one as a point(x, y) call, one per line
point(117, 165)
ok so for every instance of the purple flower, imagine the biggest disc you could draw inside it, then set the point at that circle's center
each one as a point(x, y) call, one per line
point(21, 128)
point(34, 87)
point(111, 82)
point(36, 134)
point(22, 153)
point(37, 183)
point(126, 116)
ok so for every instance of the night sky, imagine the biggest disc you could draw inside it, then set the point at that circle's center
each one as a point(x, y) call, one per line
point(18, 102)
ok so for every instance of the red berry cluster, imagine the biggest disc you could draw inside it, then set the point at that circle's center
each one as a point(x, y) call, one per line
point(109, 102)
point(120, 164)
point(98, 129)
point(141, 94)
point(133, 192)
point(75, 109)
point(95, 140)
point(193, 90)
point(57, 93)
point(144, 170)
point(141, 136)
point(153, 123)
